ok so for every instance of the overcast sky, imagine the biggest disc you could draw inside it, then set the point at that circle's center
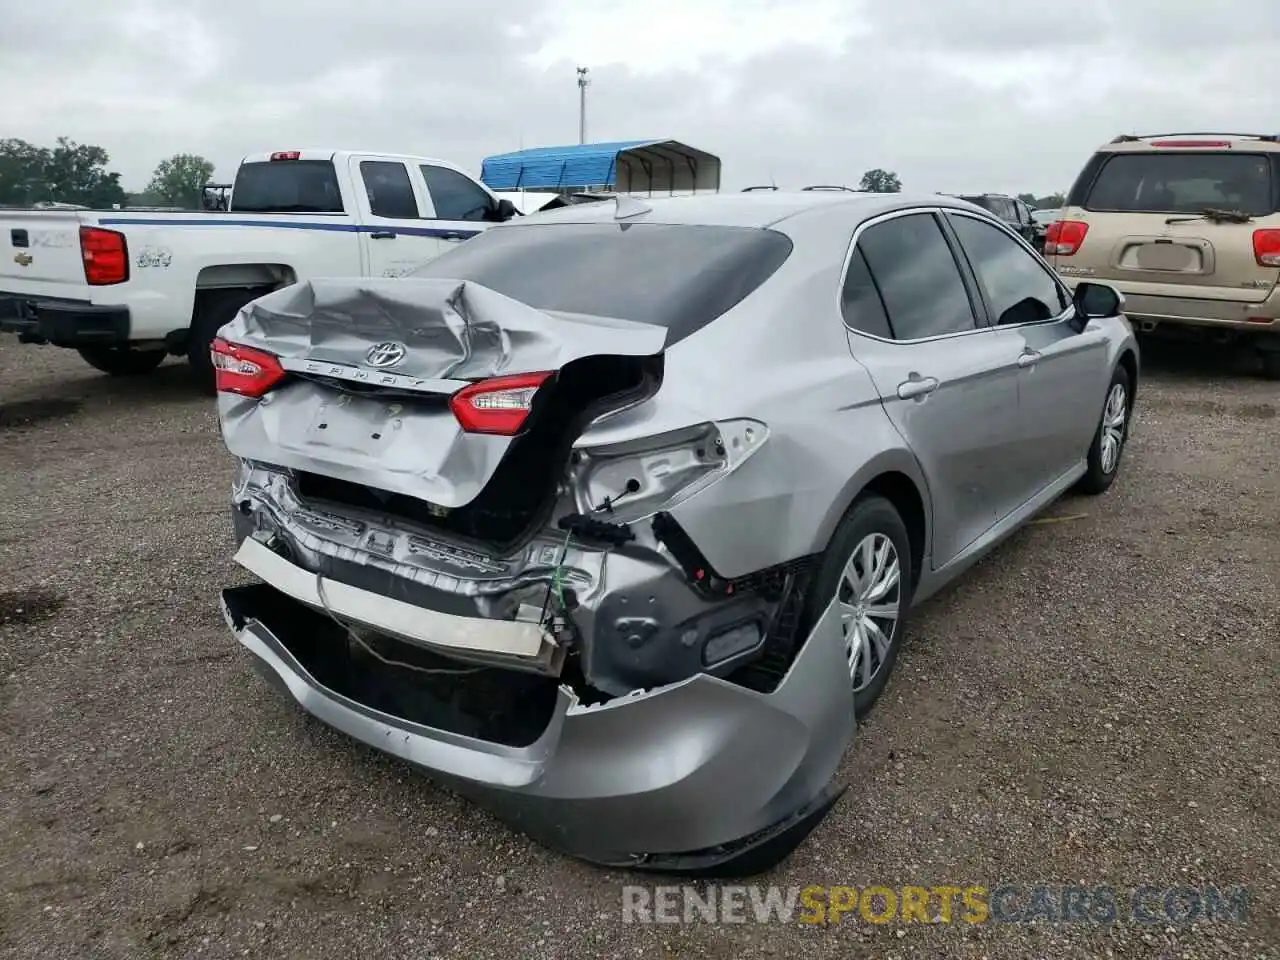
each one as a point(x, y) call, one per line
point(954, 95)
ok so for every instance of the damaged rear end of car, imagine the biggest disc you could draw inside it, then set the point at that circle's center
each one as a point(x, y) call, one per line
point(452, 570)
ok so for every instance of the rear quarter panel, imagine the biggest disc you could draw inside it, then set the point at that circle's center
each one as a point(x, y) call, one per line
point(781, 358)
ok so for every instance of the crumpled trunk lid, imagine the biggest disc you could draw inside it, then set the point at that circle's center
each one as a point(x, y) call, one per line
point(347, 413)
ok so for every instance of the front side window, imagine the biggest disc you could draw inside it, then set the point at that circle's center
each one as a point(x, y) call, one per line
point(917, 277)
point(454, 196)
point(1018, 287)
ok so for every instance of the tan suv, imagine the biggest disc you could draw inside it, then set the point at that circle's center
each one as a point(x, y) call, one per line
point(1187, 227)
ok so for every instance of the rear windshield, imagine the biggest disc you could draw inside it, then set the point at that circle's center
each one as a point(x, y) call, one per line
point(984, 202)
point(677, 276)
point(1183, 183)
point(287, 186)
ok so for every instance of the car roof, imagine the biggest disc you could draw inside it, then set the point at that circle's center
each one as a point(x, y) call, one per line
point(755, 209)
point(1153, 142)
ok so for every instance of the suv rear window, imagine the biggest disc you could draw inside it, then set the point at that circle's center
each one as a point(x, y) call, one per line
point(1183, 183)
point(286, 186)
point(680, 277)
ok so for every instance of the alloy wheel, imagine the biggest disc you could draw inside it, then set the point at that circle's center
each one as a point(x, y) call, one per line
point(1114, 418)
point(870, 596)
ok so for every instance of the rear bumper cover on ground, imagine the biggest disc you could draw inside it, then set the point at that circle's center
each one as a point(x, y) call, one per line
point(700, 776)
point(64, 323)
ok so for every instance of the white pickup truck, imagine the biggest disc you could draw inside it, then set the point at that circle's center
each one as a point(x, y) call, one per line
point(126, 289)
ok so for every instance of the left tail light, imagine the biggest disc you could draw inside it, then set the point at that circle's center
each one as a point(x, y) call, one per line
point(244, 370)
point(497, 406)
point(106, 256)
point(1064, 237)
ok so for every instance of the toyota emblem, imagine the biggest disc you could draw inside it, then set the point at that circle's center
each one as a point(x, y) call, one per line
point(385, 354)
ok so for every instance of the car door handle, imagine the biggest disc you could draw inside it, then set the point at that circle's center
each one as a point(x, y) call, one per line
point(1029, 359)
point(917, 388)
point(382, 235)
point(452, 237)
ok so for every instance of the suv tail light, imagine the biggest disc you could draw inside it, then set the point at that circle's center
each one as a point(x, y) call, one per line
point(1266, 247)
point(1186, 144)
point(105, 255)
point(1064, 237)
point(497, 406)
point(243, 370)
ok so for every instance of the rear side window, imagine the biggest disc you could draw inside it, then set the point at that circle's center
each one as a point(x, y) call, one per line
point(676, 276)
point(917, 276)
point(390, 192)
point(454, 196)
point(286, 186)
point(1183, 183)
point(860, 300)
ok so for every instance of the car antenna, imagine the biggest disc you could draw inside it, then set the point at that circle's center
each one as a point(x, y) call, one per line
point(628, 207)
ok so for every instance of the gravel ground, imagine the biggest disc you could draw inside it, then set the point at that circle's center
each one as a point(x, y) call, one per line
point(1095, 703)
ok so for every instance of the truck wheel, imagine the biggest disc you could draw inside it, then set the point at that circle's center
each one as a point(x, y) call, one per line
point(214, 310)
point(121, 361)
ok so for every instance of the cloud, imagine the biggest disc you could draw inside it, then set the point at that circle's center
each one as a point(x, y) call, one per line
point(956, 96)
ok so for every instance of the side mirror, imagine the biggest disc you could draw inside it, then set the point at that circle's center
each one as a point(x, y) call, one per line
point(505, 210)
point(1096, 301)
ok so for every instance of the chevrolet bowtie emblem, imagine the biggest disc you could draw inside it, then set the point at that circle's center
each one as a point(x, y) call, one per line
point(22, 259)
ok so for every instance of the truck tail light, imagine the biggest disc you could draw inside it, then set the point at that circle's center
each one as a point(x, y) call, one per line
point(243, 370)
point(1064, 237)
point(286, 155)
point(498, 406)
point(1266, 247)
point(106, 256)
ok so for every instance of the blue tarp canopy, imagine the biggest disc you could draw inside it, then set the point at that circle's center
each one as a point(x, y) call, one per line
point(625, 166)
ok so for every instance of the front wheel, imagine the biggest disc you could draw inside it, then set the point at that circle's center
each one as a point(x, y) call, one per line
point(1112, 434)
point(867, 569)
point(121, 361)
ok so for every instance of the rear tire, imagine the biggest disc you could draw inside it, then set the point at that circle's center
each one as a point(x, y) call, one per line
point(1111, 437)
point(870, 534)
point(214, 310)
point(121, 361)
point(1271, 364)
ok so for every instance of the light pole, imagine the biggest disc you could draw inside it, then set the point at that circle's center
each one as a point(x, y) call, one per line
point(582, 104)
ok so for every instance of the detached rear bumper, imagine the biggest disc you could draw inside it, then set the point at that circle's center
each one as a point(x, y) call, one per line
point(63, 323)
point(699, 776)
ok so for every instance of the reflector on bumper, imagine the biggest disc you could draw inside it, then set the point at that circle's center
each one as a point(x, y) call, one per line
point(512, 638)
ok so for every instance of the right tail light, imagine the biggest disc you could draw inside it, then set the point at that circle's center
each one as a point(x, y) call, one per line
point(1266, 247)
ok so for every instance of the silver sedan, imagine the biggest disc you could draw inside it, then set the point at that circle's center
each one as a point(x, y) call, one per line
point(613, 517)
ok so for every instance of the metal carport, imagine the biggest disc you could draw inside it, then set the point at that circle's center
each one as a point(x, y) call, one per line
point(623, 166)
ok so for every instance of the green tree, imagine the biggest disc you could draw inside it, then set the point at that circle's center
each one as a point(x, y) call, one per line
point(23, 168)
point(67, 173)
point(1028, 198)
point(77, 173)
point(881, 181)
point(1051, 202)
point(179, 181)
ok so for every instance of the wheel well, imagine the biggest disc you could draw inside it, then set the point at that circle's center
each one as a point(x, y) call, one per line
point(1130, 364)
point(900, 490)
point(222, 275)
